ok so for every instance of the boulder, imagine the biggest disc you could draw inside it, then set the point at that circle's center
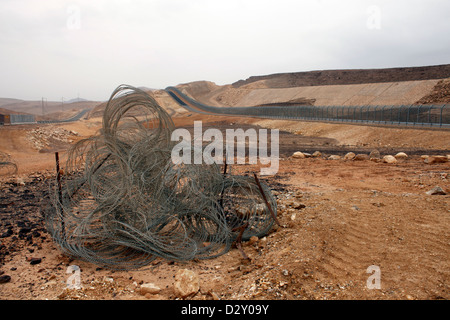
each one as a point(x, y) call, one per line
point(150, 288)
point(436, 191)
point(34, 261)
point(374, 154)
point(361, 157)
point(436, 159)
point(401, 156)
point(334, 157)
point(298, 155)
point(317, 154)
point(389, 159)
point(5, 278)
point(186, 283)
point(349, 156)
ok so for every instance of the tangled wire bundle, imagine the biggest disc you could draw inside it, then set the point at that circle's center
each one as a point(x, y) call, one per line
point(130, 204)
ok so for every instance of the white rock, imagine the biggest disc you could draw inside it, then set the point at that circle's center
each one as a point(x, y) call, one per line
point(389, 159)
point(401, 155)
point(334, 157)
point(436, 191)
point(150, 288)
point(349, 156)
point(298, 155)
point(186, 283)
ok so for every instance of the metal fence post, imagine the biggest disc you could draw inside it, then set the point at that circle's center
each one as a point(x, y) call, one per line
point(440, 118)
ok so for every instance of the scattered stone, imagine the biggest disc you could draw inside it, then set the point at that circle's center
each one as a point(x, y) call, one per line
point(109, 279)
point(317, 154)
point(389, 159)
point(186, 283)
point(374, 154)
point(298, 206)
point(34, 261)
point(7, 233)
point(213, 295)
point(252, 240)
point(436, 191)
point(298, 155)
point(5, 278)
point(41, 138)
point(334, 157)
point(149, 288)
point(349, 156)
point(361, 157)
point(307, 155)
point(401, 156)
point(435, 159)
point(24, 230)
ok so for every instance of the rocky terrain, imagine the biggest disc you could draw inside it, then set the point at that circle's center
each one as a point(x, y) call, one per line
point(342, 209)
point(351, 200)
point(42, 138)
point(343, 77)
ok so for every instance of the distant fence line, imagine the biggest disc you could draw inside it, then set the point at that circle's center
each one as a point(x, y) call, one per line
point(13, 119)
point(409, 115)
point(76, 117)
point(10, 119)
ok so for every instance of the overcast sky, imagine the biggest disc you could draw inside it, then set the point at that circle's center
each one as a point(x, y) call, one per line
point(60, 49)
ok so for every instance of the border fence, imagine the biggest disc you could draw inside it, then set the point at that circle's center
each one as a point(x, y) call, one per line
point(13, 119)
point(400, 115)
point(76, 117)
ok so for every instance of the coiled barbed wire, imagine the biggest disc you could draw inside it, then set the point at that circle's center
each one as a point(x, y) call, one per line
point(127, 203)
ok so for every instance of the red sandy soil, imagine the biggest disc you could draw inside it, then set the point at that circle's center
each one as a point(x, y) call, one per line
point(337, 218)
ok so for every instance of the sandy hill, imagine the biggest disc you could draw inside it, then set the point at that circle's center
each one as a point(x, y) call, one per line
point(343, 77)
point(7, 111)
point(8, 101)
point(395, 86)
point(160, 96)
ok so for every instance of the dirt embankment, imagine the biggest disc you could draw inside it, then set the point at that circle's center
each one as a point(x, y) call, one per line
point(394, 86)
point(439, 94)
point(343, 77)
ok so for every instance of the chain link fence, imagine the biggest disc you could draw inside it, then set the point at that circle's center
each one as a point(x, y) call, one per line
point(401, 115)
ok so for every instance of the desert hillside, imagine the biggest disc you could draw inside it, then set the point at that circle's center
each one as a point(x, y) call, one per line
point(357, 76)
point(395, 86)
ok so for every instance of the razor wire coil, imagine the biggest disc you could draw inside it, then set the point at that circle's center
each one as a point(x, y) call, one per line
point(127, 203)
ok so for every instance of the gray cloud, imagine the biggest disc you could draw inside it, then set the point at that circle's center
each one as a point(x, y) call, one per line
point(57, 48)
